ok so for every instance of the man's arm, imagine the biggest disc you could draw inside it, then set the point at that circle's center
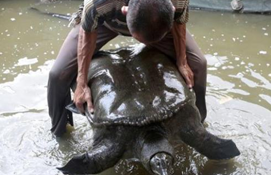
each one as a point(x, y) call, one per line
point(179, 38)
point(85, 51)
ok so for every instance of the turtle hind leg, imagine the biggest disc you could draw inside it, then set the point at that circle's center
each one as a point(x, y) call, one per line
point(211, 146)
point(194, 134)
point(104, 154)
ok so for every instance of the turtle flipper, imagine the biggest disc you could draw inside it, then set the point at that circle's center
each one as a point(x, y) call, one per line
point(210, 145)
point(194, 134)
point(106, 153)
point(77, 165)
point(97, 160)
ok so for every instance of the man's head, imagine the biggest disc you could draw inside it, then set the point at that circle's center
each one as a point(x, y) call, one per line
point(150, 20)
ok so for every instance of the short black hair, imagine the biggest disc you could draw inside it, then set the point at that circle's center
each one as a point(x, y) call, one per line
point(151, 19)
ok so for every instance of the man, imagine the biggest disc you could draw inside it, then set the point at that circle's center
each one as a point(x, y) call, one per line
point(157, 23)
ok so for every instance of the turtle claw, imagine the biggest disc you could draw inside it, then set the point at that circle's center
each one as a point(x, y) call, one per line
point(77, 165)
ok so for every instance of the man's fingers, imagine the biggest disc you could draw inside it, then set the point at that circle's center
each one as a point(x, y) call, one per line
point(192, 82)
point(80, 107)
point(90, 106)
point(188, 82)
point(188, 76)
point(88, 100)
point(124, 10)
point(192, 79)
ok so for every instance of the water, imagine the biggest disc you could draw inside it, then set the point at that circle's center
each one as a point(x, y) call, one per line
point(238, 50)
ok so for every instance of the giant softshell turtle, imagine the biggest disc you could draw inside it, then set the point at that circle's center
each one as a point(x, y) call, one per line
point(141, 101)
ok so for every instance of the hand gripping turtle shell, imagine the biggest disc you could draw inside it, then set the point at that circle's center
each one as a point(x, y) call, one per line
point(141, 101)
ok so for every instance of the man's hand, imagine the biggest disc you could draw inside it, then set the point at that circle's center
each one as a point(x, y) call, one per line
point(187, 74)
point(82, 95)
point(124, 10)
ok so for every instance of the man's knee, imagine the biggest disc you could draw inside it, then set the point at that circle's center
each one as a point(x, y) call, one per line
point(203, 62)
point(74, 33)
point(199, 66)
point(54, 75)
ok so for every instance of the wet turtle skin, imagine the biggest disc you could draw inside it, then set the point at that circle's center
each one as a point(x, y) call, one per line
point(141, 101)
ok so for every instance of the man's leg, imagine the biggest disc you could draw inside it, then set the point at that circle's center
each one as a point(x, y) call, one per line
point(197, 63)
point(63, 74)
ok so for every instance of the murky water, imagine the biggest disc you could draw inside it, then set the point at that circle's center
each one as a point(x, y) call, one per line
point(238, 50)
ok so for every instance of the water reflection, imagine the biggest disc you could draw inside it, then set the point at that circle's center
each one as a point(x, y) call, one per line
point(238, 50)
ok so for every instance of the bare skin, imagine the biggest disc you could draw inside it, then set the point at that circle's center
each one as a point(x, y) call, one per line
point(86, 48)
point(179, 33)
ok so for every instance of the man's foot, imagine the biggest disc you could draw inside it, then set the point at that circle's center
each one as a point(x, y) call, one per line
point(69, 128)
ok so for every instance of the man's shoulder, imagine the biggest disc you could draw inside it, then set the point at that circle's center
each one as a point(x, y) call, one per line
point(103, 6)
point(178, 0)
point(103, 2)
point(180, 4)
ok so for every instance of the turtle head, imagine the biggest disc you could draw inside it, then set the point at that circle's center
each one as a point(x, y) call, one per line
point(162, 164)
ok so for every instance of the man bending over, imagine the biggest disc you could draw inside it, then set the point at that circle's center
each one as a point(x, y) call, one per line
point(157, 23)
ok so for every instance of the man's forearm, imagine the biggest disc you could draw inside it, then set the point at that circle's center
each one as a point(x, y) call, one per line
point(85, 51)
point(179, 37)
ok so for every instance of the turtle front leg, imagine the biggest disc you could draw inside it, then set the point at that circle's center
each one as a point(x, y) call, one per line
point(194, 134)
point(106, 152)
point(97, 160)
